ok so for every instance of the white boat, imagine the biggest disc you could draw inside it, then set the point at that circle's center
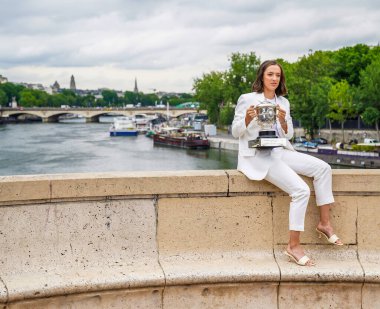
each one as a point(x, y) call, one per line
point(71, 118)
point(143, 122)
point(142, 119)
point(123, 126)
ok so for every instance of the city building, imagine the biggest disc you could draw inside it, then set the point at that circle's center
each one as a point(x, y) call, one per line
point(3, 79)
point(55, 88)
point(32, 86)
point(119, 93)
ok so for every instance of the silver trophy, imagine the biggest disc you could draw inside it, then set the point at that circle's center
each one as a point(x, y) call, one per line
point(266, 117)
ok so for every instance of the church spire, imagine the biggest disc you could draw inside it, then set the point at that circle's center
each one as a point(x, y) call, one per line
point(72, 83)
point(136, 90)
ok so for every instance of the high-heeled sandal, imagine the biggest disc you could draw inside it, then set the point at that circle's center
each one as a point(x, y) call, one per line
point(332, 239)
point(303, 261)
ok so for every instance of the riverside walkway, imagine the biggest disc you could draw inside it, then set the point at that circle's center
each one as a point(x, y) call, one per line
point(224, 141)
point(184, 239)
point(345, 159)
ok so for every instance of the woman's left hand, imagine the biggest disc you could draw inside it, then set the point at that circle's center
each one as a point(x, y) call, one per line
point(281, 117)
point(281, 114)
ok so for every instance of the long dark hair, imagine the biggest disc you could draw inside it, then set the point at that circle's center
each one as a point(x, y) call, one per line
point(258, 84)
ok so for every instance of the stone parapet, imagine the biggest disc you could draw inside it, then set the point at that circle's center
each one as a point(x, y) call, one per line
point(185, 239)
point(224, 143)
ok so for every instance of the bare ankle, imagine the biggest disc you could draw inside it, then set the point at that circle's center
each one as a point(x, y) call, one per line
point(324, 223)
point(293, 245)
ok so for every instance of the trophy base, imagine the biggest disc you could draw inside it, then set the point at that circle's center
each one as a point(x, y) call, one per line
point(267, 143)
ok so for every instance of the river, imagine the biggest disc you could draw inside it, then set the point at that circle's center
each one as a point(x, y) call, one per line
point(54, 148)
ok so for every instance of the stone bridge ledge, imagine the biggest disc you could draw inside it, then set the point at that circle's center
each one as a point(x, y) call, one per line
point(183, 239)
point(92, 114)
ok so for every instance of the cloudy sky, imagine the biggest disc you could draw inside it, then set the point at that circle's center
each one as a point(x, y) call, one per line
point(166, 44)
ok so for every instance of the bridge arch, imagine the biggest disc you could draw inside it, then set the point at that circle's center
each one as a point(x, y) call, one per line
point(92, 114)
point(17, 114)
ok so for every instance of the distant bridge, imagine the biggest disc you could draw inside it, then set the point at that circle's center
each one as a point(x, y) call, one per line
point(50, 114)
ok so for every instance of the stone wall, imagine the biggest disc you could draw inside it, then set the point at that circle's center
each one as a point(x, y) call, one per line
point(337, 136)
point(185, 239)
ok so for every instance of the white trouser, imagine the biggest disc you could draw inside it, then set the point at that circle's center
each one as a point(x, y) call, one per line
point(283, 174)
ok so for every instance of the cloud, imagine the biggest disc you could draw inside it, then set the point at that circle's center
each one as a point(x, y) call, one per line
point(166, 44)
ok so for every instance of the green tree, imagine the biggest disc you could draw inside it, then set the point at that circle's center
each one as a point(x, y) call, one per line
point(374, 53)
point(349, 61)
point(227, 114)
point(241, 75)
point(371, 115)
point(110, 97)
point(100, 102)
point(12, 90)
point(85, 101)
point(56, 100)
point(319, 96)
point(308, 84)
point(164, 99)
point(70, 97)
point(370, 94)
point(341, 105)
point(3, 98)
point(33, 98)
point(148, 99)
point(121, 101)
point(210, 91)
point(131, 97)
point(187, 96)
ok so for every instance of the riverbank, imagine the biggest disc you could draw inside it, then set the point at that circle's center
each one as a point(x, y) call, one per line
point(226, 141)
point(223, 141)
point(336, 135)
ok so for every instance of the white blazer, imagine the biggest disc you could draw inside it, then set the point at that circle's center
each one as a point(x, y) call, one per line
point(254, 163)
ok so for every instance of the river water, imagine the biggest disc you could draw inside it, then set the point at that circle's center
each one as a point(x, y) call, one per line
point(51, 148)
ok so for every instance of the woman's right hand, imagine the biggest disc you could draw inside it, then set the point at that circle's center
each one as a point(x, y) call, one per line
point(250, 114)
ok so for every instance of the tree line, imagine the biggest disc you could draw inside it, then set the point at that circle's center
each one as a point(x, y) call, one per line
point(331, 86)
point(27, 97)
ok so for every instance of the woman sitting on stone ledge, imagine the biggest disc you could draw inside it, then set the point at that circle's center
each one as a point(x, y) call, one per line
point(281, 166)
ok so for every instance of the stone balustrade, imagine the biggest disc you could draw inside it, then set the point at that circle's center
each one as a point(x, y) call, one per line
point(184, 239)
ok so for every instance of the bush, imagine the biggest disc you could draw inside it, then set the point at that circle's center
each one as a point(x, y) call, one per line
point(227, 115)
point(366, 148)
